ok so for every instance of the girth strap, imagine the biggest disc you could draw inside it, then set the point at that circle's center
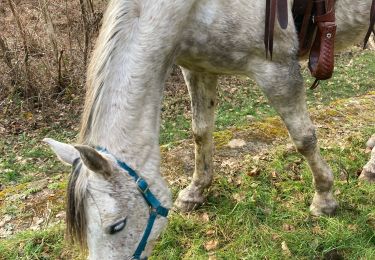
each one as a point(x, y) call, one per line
point(306, 27)
point(273, 7)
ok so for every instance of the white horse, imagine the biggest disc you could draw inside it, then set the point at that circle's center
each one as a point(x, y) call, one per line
point(138, 43)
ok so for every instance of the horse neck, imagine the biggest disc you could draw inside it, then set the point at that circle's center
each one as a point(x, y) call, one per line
point(125, 83)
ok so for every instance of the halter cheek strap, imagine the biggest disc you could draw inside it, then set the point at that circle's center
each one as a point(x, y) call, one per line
point(156, 209)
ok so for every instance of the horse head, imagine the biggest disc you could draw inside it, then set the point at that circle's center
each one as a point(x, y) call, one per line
point(108, 212)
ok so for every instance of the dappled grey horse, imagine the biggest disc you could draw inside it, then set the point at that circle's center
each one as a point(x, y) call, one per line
point(116, 177)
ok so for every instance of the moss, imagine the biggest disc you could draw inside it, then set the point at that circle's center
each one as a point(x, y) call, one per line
point(13, 190)
point(327, 115)
point(267, 130)
point(222, 138)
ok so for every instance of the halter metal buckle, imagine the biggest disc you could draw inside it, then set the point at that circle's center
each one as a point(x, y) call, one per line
point(139, 183)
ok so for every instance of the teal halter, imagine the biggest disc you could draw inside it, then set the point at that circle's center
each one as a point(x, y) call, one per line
point(156, 209)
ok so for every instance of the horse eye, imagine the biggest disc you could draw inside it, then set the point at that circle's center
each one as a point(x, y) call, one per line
point(115, 228)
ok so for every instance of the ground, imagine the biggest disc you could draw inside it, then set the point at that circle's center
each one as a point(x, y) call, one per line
point(257, 207)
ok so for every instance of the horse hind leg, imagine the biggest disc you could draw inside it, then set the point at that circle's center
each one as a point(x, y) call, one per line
point(283, 86)
point(202, 90)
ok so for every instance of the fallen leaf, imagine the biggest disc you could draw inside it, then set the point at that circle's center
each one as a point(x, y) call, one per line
point(36, 223)
point(352, 227)
point(254, 185)
point(285, 249)
point(254, 172)
point(210, 232)
point(205, 217)
point(230, 163)
point(250, 118)
point(211, 245)
point(28, 116)
point(287, 227)
point(238, 182)
point(5, 220)
point(317, 230)
point(239, 197)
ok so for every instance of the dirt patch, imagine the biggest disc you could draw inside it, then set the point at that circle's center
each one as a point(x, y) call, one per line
point(344, 118)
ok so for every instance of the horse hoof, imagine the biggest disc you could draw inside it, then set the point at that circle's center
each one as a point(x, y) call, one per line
point(367, 176)
point(323, 205)
point(189, 199)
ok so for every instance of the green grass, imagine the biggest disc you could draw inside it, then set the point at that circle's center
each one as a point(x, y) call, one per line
point(45, 244)
point(24, 157)
point(275, 210)
point(268, 212)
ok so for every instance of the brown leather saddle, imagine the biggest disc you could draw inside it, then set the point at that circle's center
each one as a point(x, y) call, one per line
point(316, 27)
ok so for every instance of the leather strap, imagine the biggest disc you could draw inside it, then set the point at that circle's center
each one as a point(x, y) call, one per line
point(307, 27)
point(372, 23)
point(270, 25)
point(282, 13)
point(273, 7)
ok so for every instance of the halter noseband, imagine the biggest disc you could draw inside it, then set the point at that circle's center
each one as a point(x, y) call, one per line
point(156, 209)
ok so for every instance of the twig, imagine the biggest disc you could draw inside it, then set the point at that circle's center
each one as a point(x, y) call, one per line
point(91, 5)
point(29, 91)
point(50, 28)
point(6, 53)
point(70, 28)
point(86, 29)
point(60, 80)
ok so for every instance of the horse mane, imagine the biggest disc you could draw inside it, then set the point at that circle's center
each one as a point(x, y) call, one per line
point(76, 223)
point(118, 22)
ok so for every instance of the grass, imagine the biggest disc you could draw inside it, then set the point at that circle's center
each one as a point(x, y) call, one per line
point(274, 211)
point(45, 244)
point(24, 156)
point(261, 217)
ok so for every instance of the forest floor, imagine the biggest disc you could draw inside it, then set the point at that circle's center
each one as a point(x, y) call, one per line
point(257, 207)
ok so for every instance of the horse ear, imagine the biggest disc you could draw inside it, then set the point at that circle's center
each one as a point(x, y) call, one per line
point(65, 152)
point(94, 160)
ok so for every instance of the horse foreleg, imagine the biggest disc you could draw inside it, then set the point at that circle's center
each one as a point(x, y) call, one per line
point(202, 90)
point(283, 85)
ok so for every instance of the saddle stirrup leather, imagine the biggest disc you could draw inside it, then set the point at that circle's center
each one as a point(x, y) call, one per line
point(316, 26)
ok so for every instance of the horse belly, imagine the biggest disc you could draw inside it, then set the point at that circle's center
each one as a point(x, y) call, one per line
point(220, 36)
point(226, 37)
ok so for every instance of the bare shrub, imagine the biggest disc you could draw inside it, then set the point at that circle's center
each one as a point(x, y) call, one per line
point(44, 47)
